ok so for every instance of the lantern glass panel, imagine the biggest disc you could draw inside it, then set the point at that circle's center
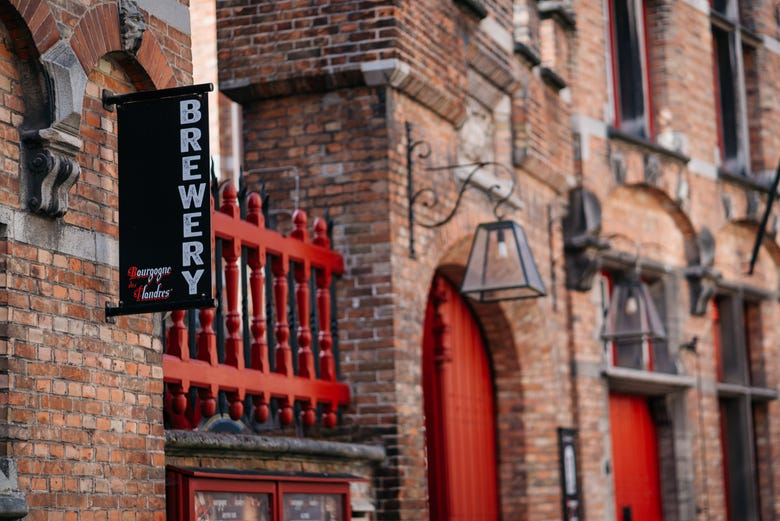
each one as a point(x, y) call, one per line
point(501, 266)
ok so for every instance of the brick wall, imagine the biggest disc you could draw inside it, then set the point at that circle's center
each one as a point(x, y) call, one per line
point(81, 398)
point(348, 146)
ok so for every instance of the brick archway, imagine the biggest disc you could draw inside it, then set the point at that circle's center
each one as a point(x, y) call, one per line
point(98, 34)
point(39, 21)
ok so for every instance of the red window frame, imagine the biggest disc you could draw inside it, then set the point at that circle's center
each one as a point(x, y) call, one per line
point(183, 483)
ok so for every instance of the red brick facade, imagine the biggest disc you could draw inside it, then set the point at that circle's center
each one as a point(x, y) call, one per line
point(326, 92)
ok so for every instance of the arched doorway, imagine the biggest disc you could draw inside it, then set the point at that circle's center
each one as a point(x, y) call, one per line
point(459, 411)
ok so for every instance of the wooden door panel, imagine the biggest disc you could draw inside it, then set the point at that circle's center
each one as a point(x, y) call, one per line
point(460, 412)
point(634, 459)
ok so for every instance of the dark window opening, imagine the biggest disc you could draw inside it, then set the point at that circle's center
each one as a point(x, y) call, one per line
point(727, 71)
point(724, 7)
point(628, 44)
point(743, 418)
point(738, 460)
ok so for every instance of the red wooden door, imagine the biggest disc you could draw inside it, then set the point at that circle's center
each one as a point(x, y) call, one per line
point(634, 459)
point(459, 411)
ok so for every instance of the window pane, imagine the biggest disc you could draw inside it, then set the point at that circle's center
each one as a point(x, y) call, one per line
point(737, 456)
point(751, 73)
point(627, 26)
point(732, 341)
point(662, 359)
point(727, 70)
point(724, 7)
point(628, 353)
point(313, 507)
point(221, 506)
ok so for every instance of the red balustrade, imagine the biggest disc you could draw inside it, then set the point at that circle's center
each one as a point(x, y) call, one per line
point(295, 254)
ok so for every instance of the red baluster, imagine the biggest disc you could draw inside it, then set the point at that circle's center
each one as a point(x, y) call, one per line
point(236, 407)
point(207, 351)
point(208, 401)
point(259, 347)
point(262, 410)
point(206, 338)
point(282, 354)
point(256, 261)
point(329, 416)
point(178, 398)
point(231, 252)
point(302, 272)
point(323, 281)
point(176, 340)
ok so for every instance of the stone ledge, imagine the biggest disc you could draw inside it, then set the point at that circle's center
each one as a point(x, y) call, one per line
point(12, 508)
point(178, 442)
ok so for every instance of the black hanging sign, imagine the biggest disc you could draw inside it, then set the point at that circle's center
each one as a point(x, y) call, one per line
point(164, 200)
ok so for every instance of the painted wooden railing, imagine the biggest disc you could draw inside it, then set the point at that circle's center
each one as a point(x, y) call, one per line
point(201, 376)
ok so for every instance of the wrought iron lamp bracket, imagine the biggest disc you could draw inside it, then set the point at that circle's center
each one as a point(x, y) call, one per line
point(429, 197)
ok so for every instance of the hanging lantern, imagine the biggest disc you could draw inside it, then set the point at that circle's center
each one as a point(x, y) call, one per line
point(632, 315)
point(500, 265)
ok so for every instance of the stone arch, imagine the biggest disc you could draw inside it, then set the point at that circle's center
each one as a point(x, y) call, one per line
point(152, 59)
point(734, 244)
point(620, 217)
point(107, 29)
point(39, 21)
point(96, 34)
point(35, 92)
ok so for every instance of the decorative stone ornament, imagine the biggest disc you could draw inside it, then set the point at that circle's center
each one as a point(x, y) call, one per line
point(619, 168)
point(581, 242)
point(702, 277)
point(753, 202)
point(132, 25)
point(54, 87)
point(652, 169)
point(50, 156)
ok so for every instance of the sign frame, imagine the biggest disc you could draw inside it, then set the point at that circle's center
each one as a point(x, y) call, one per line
point(165, 207)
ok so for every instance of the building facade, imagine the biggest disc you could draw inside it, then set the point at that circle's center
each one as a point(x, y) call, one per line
point(633, 141)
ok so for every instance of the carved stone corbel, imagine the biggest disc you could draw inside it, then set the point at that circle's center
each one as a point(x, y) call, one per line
point(132, 25)
point(581, 242)
point(702, 277)
point(53, 168)
point(652, 169)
